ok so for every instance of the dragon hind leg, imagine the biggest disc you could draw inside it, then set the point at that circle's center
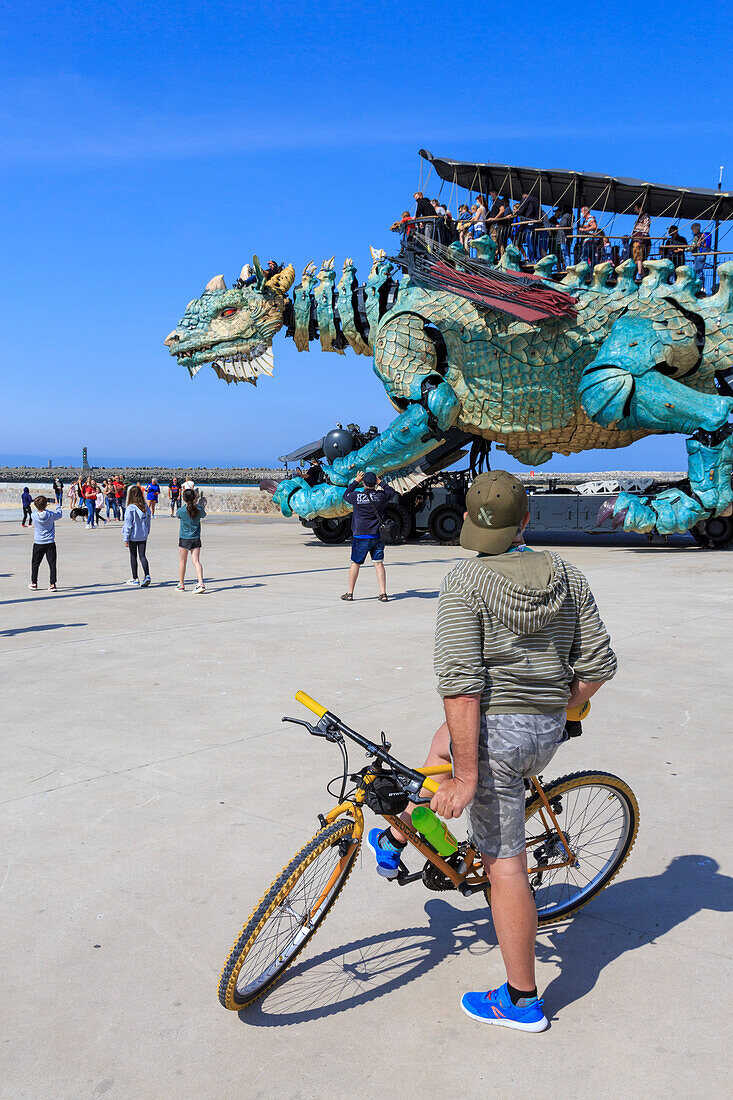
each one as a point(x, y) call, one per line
point(625, 388)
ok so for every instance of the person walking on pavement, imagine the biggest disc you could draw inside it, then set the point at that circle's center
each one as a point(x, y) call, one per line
point(44, 540)
point(369, 500)
point(135, 531)
point(26, 500)
point(58, 490)
point(518, 640)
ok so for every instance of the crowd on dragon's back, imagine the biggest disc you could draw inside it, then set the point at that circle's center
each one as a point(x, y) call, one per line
point(536, 233)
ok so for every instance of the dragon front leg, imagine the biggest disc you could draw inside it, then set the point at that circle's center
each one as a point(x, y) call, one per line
point(624, 388)
point(409, 437)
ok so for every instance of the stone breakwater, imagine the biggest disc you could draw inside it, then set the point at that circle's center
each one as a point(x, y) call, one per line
point(247, 499)
point(202, 475)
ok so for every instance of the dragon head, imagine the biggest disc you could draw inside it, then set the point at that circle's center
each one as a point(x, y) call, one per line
point(233, 329)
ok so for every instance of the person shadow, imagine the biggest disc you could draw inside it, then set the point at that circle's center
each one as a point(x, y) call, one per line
point(627, 915)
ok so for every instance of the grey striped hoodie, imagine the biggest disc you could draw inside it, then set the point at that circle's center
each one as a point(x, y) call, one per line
point(517, 628)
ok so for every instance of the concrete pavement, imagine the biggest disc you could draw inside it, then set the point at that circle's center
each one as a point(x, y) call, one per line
point(150, 794)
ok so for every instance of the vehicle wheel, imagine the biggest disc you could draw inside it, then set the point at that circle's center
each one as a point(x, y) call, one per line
point(400, 515)
point(289, 914)
point(599, 815)
point(332, 531)
point(444, 524)
point(715, 533)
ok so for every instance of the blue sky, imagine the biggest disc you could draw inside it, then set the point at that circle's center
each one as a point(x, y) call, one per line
point(145, 148)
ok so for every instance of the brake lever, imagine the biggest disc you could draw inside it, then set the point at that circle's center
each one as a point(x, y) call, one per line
point(299, 722)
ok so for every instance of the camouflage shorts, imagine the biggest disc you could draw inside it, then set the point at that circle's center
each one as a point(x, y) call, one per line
point(510, 747)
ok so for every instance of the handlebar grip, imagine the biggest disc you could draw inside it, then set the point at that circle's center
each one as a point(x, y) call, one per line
point(577, 714)
point(311, 704)
point(430, 785)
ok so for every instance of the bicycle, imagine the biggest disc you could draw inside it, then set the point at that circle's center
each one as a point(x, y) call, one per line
point(580, 830)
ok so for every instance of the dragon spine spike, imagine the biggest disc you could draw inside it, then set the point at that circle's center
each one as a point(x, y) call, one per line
point(309, 269)
point(246, 272)
point(217, 283)
point(722, 302)
point(328, 264)
point(348, 262)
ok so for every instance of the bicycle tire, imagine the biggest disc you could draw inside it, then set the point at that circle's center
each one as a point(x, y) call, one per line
point(279, 891)
point(576, 781)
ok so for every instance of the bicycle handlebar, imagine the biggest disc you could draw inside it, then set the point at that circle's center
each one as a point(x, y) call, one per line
point(374, 750)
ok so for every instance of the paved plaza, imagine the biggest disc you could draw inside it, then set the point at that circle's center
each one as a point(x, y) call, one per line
point(150, 793)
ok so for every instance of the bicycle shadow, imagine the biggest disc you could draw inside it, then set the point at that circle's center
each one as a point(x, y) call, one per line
point(355, 973)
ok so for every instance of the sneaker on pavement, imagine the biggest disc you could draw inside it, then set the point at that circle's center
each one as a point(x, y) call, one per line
point(33, 587)
point(132, 583)
point(496, 1007)
point(199, 588)
point(388, 859)
point(146, 582)
point(52, 588)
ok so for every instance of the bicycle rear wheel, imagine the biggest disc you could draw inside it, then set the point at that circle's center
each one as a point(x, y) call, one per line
point(599, 816)
point(289, 914)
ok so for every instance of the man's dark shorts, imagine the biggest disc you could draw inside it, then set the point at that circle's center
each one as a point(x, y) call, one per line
point(361, 547)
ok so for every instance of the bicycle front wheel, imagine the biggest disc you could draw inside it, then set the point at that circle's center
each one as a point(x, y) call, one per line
point(289, 914)
point(599, 816)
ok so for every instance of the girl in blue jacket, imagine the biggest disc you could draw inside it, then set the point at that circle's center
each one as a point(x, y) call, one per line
point(135, 531)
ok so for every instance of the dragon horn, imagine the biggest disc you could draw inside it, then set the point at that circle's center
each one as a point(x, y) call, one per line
point(348, 262)
point(309, 269)
point(283, 280)
point(328, 264)
point(260, 275)
point(217, 283)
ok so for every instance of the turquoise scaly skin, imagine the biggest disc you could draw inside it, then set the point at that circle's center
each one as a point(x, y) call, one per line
point(635, 360)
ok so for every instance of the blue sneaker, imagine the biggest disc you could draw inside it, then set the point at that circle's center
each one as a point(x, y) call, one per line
point(388, 859)
point(495, 1007)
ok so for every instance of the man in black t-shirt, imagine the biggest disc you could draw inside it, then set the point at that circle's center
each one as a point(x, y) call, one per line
point(529, 211)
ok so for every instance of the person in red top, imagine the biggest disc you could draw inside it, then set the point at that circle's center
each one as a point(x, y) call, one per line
point(90, 499)
point(119, 490)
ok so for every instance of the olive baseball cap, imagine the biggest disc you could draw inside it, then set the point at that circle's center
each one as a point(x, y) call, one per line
point(496, 504)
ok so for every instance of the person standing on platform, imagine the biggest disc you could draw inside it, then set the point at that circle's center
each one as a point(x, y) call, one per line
point(368, 500)
point(135, 531)
point(58, 489)
point(26, 500)
point(119, 488)
point(44, 541)
point(190, 515)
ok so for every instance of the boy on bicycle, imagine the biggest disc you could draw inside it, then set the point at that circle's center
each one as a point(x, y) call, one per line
point(518, 640)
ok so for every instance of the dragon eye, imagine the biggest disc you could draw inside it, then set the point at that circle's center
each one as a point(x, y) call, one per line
point(228, 312)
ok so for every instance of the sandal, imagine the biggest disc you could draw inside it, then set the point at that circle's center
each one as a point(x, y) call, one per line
point(383, 597)
point(347, 596)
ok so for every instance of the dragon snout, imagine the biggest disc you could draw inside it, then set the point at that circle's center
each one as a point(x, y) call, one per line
point(172, 339)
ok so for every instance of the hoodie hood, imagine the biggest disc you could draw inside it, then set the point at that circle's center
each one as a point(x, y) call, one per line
point(527, 589)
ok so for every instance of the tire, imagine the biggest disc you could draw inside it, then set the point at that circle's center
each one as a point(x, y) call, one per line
point(332, 531)
point(444, 524)
point(401, 517)
point(559, 894)
point(330, 855)
point(715, 533)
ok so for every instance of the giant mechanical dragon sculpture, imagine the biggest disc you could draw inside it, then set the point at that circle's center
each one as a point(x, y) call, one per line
point(617, 364)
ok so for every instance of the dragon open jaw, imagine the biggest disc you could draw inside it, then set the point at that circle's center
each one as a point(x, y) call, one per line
point(243, 364)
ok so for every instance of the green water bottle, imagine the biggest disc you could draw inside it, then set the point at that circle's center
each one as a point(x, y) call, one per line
point(434, 830)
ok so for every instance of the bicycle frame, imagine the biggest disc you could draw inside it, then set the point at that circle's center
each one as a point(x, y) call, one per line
point(469, 876)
